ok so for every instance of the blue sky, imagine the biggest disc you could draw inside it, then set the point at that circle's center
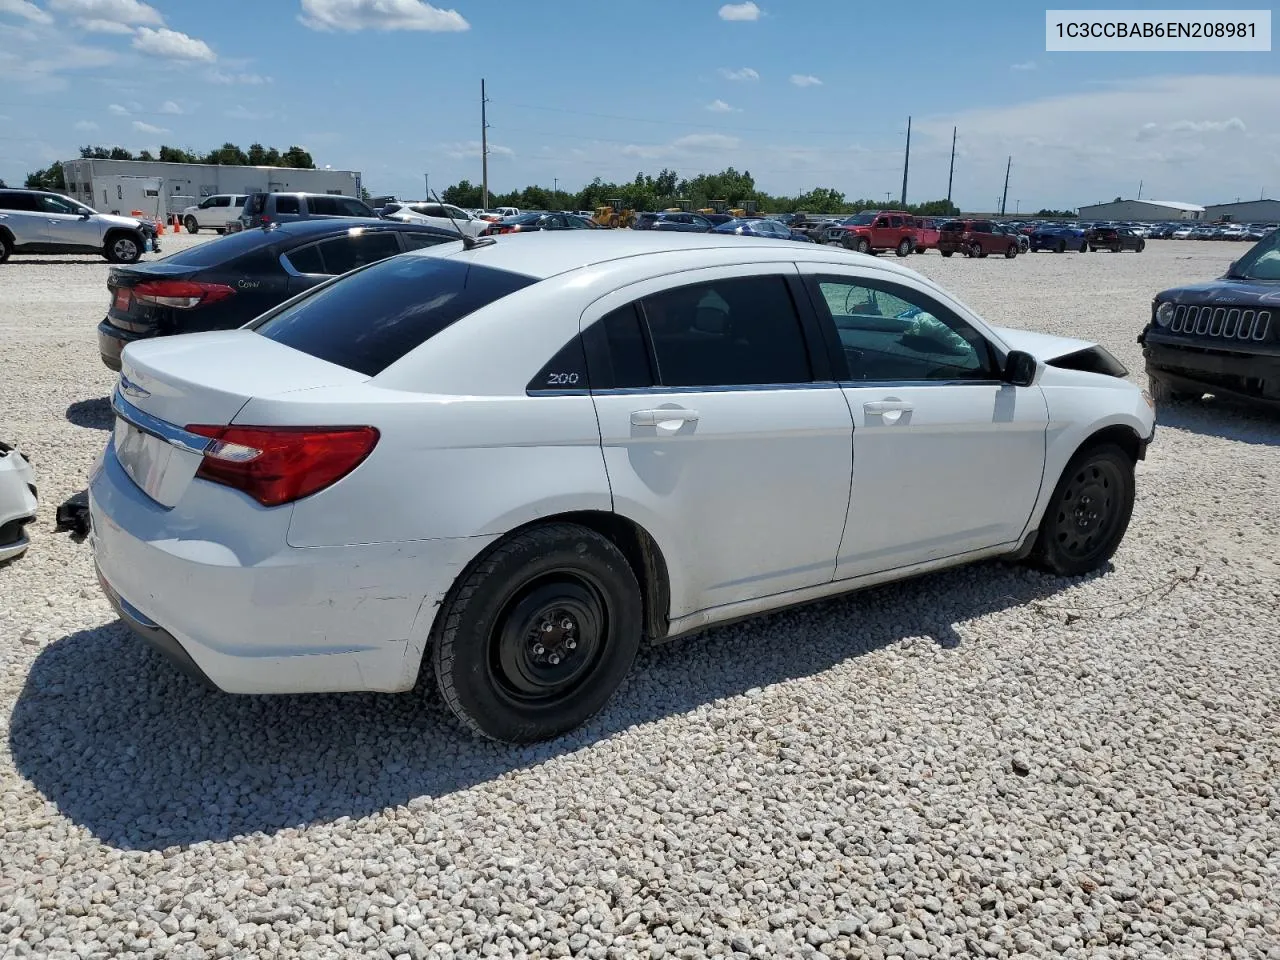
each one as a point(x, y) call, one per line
point(802, 93)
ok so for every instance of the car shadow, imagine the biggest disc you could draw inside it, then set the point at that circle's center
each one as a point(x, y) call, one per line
point(34, 260)
point(145, 758)
point(1225, 418)
point(92, 414)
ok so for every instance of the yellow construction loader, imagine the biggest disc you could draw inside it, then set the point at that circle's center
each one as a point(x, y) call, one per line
point(614, 215)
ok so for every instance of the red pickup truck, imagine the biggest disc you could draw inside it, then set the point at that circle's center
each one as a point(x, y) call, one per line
point(869, 232)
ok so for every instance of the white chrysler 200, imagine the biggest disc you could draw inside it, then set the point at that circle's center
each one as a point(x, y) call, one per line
point(518, 459)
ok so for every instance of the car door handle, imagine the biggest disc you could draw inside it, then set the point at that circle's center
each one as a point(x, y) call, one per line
point(887, 406)
point(666, 418)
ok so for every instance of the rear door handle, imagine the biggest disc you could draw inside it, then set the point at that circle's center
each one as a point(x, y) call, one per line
point(887, 406)
point(669, 419)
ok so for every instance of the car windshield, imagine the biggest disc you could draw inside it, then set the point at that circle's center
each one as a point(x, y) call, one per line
point(369, 319)
point(1262, 262)
point(861, 220)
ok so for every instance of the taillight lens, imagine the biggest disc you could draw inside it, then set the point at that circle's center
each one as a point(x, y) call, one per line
point(277, 465)
point(121, 300)
point(182, 294)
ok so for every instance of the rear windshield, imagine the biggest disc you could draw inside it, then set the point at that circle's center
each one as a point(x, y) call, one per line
point(256, 203)
point(952, 226)
point(370, 319)
point(222, 250)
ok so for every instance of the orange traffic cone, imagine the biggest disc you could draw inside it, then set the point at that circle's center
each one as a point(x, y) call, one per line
point(160, 228)
point(177, 224)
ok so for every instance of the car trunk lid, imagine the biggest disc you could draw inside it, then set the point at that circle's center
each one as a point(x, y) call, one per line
point(170, 383)
point(127, 311)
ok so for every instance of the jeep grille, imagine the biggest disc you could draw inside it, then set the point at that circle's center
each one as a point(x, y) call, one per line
point(1229, 323)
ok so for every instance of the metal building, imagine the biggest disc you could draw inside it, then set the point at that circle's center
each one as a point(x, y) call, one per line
point(1248, 211)
point(112, 186)
point(1142, 210)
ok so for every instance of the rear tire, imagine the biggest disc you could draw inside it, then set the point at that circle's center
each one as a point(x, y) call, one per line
point(946, 253)
point(538, 633)
point(191, 225)
point(1088, 514)
point(1011, 252)
point(1142, 245)
point(1084, 247)
point(6, 248)
point(974, 251)
point(904, 248)
point(1062, 246)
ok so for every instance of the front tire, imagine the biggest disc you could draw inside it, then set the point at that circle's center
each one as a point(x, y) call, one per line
point(1142, 245)
point(537, 635)
point(191, 225)
point(1088, 513)
point(974, 251)
point(1163, 393)
point(863, 245)
point(1084, 247)
point(946, 253)
point(123, 248)
point(6, 248)
point(1011, 252)
point(1062, 246)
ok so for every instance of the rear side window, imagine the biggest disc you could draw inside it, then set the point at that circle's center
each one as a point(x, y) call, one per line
point(255, 204)
point(416, 241)
point(737, 332)
point(223, 250)
point(342, 254)
point(17, 201)
point(369, 320)
point(326, 206)
point(286, 204)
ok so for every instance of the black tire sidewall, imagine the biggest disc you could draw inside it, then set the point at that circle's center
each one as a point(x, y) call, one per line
point(1046, 554)
point(6, 249)
point(191, 225)
point(109, 251)
point(467, 620)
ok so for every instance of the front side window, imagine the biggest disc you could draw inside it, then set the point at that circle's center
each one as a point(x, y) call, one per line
point(892, 334)
point(742, 331)
point(221, 202)
point(52, 204)
point(351, 207)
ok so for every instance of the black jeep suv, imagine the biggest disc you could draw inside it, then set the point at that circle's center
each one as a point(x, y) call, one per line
point(1220, 337)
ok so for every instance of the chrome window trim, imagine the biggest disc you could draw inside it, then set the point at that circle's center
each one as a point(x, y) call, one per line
point(161, 429)
point(293, 271)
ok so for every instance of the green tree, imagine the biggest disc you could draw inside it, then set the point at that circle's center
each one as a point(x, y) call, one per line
point(177, 155)
point(228, 155)
point(273, 158)
point(145, 155)
point(297, 158)
point(464, 193)
point(257, 155)
point(50, 178)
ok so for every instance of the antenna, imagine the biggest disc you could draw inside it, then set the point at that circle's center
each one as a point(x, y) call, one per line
point(1005, 197)
point(952, 173)
point(906, 162)
point(468, 242)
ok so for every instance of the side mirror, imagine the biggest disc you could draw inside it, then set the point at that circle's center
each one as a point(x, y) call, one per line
point(1019, 368)
point(85, 215)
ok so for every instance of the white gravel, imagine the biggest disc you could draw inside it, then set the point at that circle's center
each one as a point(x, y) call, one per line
point(987, 762)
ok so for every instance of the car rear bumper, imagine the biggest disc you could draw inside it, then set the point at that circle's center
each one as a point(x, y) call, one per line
point(112, 341)
point(213, 584)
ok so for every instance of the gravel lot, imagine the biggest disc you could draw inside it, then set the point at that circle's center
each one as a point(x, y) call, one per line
point(984, 762)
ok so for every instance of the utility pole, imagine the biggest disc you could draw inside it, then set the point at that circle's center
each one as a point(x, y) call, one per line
point(427, 178)
point(1140, 189)
point(484, 149)
point(1005, 197)
point(906, 162)
point(952, 173)
point(887, 195)
point(555, 191)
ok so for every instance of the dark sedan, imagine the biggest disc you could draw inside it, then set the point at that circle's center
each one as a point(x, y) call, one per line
point(679, 222)
point(1115, 239)
point(762, 228)
point(1058, 237)
point(527, 222)
point(225, 283)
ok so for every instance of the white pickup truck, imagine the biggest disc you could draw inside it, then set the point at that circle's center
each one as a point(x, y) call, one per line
point(213, 213)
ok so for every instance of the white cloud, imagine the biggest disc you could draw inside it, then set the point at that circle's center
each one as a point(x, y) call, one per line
point(172, 45)
point(244, 113)
point(686, 147)
point(117, 11)
point(740, 11)
point(1025, 65)
point(147, 127)
point(719, 106)
point(1150, 131)
point(26, 10)
point(86, 126)
point(104, 26)
point(745, 73)
point(352, 15)
point(170, 107)
point(118, 110)
point(470, 150)
point(805, 80)
point(226, 79)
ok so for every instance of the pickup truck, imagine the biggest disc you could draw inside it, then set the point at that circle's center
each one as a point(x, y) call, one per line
point(870, 232)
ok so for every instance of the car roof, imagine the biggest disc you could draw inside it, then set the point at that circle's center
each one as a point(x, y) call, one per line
point(550, 253)
point(322, 225)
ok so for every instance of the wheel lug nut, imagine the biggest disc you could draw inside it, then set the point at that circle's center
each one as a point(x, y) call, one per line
point(539, 649)
point(566, 624)
point(571, 644)
point(554, 659)
point(547, 626)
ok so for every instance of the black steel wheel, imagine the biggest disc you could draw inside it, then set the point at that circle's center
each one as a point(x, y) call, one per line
point(1089, 512)
point(535, 637)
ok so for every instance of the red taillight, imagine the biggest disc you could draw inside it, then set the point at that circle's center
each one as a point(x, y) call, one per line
point(121, 301)
point(182, 294)
point(276, 465)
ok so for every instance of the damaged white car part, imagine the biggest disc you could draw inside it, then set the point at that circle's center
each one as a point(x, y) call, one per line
point(18, 501)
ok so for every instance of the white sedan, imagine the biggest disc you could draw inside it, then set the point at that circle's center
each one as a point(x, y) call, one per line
point(517, 459)
point(443, 215)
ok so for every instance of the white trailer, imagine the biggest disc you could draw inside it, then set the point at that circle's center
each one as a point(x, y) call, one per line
point(123, 195)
